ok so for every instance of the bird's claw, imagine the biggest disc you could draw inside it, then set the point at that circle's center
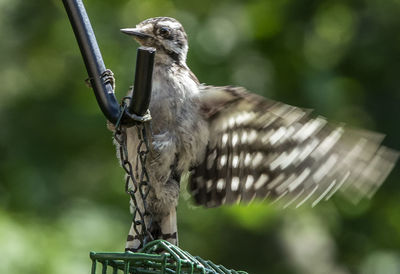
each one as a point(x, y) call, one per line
point(88, 82)
point(107, 76)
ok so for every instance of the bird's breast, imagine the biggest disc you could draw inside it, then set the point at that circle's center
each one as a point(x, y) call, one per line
point(172, 97)
point(175, 110)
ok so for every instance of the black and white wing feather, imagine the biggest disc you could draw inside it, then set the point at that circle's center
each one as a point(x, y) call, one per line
point(259, 148)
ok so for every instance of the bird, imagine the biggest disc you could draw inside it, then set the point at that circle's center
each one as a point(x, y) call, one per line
point(237, 146)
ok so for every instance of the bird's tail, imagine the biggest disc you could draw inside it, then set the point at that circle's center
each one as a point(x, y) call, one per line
point(164, 228)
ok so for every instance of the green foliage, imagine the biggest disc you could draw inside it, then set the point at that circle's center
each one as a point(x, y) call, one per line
point(61, 189)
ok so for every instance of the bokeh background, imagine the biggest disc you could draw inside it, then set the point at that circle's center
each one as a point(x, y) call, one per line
point(62, 191)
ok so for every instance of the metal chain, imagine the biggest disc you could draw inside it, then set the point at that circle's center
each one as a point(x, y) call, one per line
point(140, 182)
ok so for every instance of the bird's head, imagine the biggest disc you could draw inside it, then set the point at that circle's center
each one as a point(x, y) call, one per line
point(165, 34)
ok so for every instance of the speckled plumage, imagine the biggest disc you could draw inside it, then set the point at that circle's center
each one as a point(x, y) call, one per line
point(180, 133)
point(240, 146)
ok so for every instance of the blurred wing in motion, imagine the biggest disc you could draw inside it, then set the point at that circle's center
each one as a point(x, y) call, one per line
point(259, 148)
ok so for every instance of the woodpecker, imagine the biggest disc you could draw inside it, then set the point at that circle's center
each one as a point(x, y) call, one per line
point(238, 146)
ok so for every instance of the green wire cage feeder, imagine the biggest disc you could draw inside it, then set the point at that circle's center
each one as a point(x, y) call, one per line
point(156, 257)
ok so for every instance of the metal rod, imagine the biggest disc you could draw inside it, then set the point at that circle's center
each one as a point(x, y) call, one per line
point(95, 67)
point(92, 57)
point(143, 78)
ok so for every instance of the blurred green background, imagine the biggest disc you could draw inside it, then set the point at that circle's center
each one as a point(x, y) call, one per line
point(62, 191)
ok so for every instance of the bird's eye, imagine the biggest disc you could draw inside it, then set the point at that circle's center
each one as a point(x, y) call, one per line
point(164, 31)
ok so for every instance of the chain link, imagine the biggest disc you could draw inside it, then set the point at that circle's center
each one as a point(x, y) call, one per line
point(140, 183)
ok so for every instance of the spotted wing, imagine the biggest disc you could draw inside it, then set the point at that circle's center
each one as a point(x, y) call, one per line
point(259, 148)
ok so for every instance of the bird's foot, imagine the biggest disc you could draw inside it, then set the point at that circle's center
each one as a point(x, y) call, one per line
point(107, 76)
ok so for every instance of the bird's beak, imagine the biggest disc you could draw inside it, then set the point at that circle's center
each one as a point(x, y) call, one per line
point(135, 32)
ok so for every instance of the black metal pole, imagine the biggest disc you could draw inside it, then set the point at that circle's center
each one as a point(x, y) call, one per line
point(143, 78)
point(95, 67)
point(92, 57)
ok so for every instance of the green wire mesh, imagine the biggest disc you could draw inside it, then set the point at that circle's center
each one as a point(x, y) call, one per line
point(156, 257)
